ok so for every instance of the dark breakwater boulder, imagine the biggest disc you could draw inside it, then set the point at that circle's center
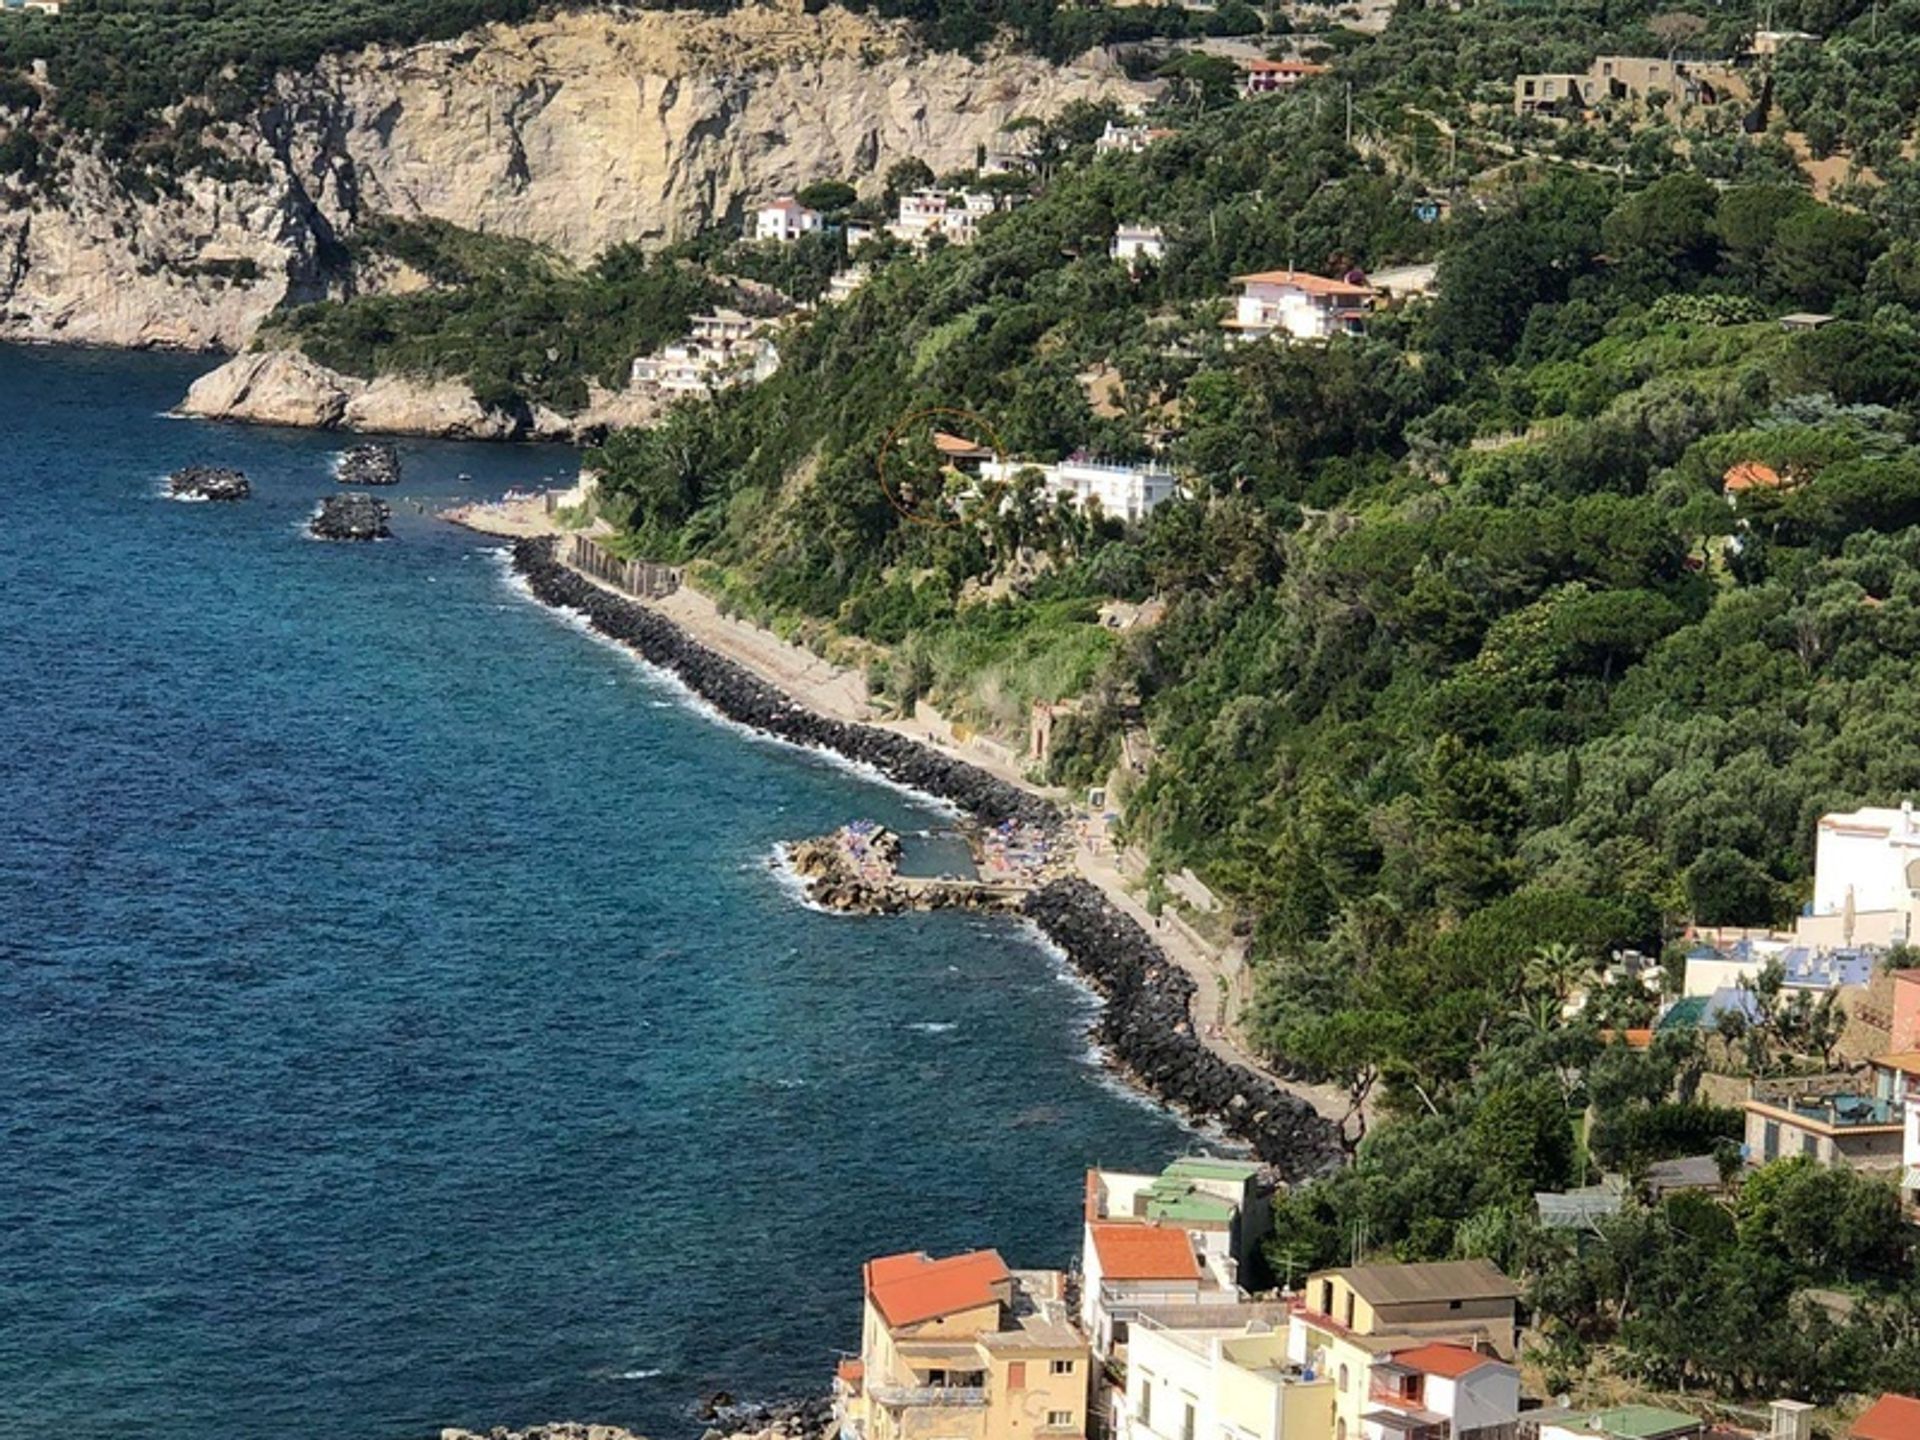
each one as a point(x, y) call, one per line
point(741, 695)
point(369, 465)
point(351, 517)
point(208, 482)
point(1147, 1027)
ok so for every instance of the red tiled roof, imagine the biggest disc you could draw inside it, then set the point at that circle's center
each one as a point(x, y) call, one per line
point(1312, 284)
point(1891, 1417)
point(851, 1372)
point(1440, 1358)
point(909, 1288)
point(1144, 1252)
point(1750, 475)
point(948, 443)
point(1640, 1038)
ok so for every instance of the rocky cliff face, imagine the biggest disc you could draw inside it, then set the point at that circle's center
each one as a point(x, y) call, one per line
point(577, 132)
point(285, 387)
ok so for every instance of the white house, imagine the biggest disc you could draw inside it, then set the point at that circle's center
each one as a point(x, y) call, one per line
point(1438, 1390)
point(724, 349)
point(1297, 304)
point(955, 215)
point(1126, 492)
point(1135, 243)
point(1234, 1383)
point(723, 327)
point(1866, 877)
point(1127, 139)
point(785, 220)
point(843, 284)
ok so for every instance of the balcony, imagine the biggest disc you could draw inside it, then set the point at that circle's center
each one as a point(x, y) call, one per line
point(916, 1397)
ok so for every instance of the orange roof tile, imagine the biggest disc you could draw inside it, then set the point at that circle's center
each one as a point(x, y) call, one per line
point(1312, 284)
point(909, 1288)
point(1891, 1417)
point(1440, 1358)
point(851, 1372)
point(947, 443)
point(1905, 1061)
point(1638, 1038)
point(1750, 475)
point(1144, 1252)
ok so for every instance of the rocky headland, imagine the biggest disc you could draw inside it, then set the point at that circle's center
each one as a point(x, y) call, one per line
point(578, 130)
point(350, 517)
point(1146, 1025)
point(208, 482)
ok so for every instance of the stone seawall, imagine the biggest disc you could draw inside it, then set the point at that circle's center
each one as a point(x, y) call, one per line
point(1146, 1024)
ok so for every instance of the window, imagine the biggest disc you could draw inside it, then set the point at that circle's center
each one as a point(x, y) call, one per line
point(1343, 1379)
point(1146, 1402)
point(1059, 1419)
point(1062, 1367)
point(1349, 1310)
point(1810, 1145)
point(1453, 1304)
point(1016, 1375)
point(1770, 1141)
point(1186, 1423)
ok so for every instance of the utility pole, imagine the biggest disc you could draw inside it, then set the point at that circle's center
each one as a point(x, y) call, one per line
point(1876, 11)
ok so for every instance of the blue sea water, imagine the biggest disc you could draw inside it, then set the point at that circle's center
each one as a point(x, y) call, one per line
point(399, 1022)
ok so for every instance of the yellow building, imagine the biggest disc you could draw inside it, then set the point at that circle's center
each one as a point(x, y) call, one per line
point(964, 1349)
point(1349, 1321)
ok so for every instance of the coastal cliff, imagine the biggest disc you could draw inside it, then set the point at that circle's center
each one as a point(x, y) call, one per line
point(576, 132)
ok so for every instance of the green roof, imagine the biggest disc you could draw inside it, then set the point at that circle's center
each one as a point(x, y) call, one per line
point(1640, 1422)
point(1177, 1200)
point(1207, 1167)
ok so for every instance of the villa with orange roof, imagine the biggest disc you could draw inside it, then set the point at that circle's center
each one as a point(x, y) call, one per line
point(1299, 305)
point(1265, 77)
point(962, 1348)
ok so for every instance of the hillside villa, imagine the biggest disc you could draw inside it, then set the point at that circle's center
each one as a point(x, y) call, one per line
point(785, 220)
point(1123, 491)
point(962, 1348)
point(1128, 139)
point(721, 350)
point(1632, 78)
point(953, 215)
point(1265, 77)
point(1298, 305)
point(1135, 243)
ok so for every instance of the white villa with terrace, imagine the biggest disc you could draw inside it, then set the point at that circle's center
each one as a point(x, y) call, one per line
point(954, 215)
point(722, 350)
point(785, 221)
point(1125, 492)
point(1298, 305)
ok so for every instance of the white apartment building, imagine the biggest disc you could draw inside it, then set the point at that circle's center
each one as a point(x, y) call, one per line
point(1125, 492)
point(1296, 304)
point(1220, 1384)
point(785, 220)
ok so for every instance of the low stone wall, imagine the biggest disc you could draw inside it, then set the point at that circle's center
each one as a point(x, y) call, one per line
point(1145, 1025)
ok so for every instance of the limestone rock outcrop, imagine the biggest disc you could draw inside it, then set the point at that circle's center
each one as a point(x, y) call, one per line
point(285, 387)
point(578, 131)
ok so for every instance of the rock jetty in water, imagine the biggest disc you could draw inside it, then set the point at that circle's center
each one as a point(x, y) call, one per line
point(369, 465)
point(564, 1430)
point(1146, 1024)
point(351, 517)
point(208, 482)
